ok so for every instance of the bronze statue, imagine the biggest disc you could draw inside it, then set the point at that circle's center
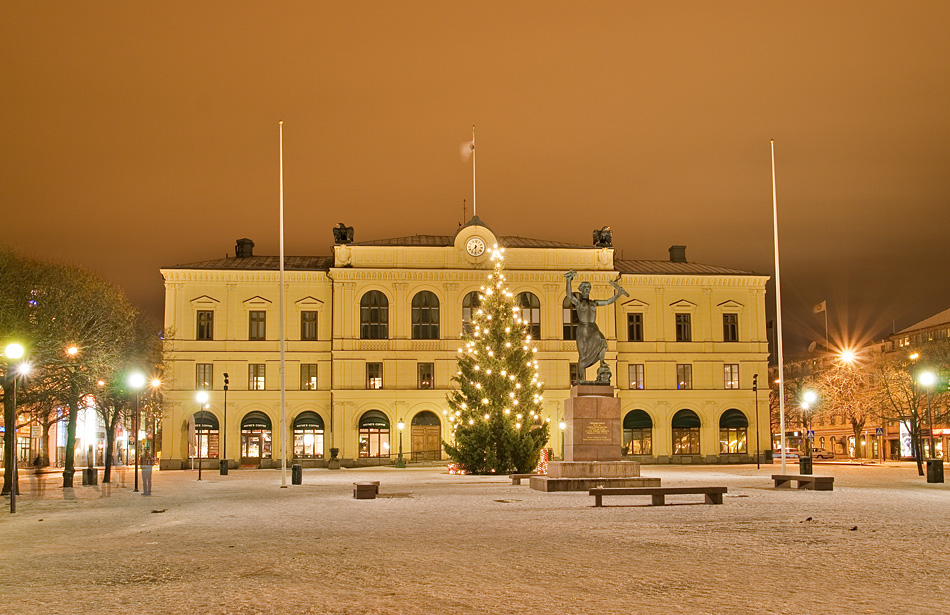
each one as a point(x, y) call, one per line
point(591, 343)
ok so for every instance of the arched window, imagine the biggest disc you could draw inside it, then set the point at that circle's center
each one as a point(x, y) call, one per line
point(255, 437)
point(426, 436)
point(374, 434)
point(470, 305)
point(685, 426)
point(638, 433)
point(206, 431)
point(733, 432)
point(308, 436)
point(425, 316)
point(374, 316)
point(569, 318)
point(531, 313)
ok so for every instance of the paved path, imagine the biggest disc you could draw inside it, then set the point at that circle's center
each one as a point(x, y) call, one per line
point(436, 543)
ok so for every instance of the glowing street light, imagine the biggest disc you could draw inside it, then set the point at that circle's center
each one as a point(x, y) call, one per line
point(136, 382)
point(847, 356)
point(927, 380)
point(400, 462)
point(15, 351)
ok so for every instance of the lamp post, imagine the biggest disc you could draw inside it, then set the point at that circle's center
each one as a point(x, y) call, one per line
point(809, 399)
point(136, 381)
point(758, 449)
point(223, 453)
point(15, 351)
point(202, 398)
point(400, 462)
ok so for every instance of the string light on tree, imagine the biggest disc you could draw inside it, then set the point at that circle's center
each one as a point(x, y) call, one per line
point(496, 358)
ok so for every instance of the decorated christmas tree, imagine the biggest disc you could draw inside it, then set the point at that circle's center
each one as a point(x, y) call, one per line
point(496, 412)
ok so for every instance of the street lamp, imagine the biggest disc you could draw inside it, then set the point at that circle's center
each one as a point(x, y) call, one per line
point(202, 398)
point(400, 462)
point(136, 382)
point(847, 356)
point(223, 452)
point(15, 351)
point(809, 399)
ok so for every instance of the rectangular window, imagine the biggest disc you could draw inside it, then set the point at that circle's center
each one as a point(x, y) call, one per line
point(636, 375)
point(205, 329)
point(684, 376)
point(730, 327)
point(257, 321)
point(731, 375)
point(635, 327)
point(374, 375)
point(204, 376)
point(426, 373)
point(684, 329)
point(308, 325)
point(308, 377)
point(255, 377)
point(573, 373)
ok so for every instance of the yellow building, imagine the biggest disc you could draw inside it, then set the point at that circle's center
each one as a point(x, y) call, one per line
point(373, 331)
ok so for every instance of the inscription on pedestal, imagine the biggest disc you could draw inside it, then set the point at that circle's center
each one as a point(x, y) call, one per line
point(596, 432)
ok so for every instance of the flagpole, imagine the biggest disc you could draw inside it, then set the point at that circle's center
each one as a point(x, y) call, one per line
point(474, 209)
point(283, 336)
point(827, 343)
point(778, 315)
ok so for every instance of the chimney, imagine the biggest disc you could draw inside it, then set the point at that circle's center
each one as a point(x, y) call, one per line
point(677, 254)
point(245, 248)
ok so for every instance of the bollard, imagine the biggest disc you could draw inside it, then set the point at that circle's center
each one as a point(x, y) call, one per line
point(223, 469)
point(804, 465)
point(296, 474)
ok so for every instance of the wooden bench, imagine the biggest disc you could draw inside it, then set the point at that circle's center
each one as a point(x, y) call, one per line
point(367, 490)
point(713, 494)
point(517, 478)
point(804, 481)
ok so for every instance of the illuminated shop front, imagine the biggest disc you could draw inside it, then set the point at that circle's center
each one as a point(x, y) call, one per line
point(308, 436)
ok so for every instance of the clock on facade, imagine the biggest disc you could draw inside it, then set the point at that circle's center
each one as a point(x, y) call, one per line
point(475, 246)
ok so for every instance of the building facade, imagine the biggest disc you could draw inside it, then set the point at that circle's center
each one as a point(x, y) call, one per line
point(372, 334)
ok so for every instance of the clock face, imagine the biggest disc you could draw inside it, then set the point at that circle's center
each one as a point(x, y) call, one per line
point(475, 246)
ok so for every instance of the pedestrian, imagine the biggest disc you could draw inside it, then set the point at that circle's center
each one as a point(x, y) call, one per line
point(146, 475)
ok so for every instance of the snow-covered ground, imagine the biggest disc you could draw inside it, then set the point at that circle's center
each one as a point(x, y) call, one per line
point(438, 543)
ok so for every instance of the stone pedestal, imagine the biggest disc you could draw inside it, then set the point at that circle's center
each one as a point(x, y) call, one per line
point(593, 437)
point(594, 429)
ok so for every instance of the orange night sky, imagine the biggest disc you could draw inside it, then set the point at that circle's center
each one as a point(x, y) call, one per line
point(137, 135)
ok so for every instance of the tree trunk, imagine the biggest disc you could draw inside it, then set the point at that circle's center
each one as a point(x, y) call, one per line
point(9, 441)
point(856, 427)
point(44, 443)
point(69, 465)
point(110, 447)
point(917, 441)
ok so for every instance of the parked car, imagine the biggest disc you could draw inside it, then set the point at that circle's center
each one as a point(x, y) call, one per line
point(820, 453)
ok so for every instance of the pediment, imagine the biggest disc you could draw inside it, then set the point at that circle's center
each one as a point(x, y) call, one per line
point(204, 301)
point(309, 303)
point(635, 304)
point(683, 305)
point(730, 305)
point(257, 301)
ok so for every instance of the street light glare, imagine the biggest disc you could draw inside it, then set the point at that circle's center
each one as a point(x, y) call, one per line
point(847, 356)
point(13, 351)
point(810, 397)
point(156, 383)
point(72, 351)
point(928, 379)
point(136, 380)
point(23, 369)
point(201, 397)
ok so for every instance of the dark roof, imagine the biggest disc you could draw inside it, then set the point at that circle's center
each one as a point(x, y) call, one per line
point(670, 268)
point(938, 319)
point(264, 263)
point(444, 241)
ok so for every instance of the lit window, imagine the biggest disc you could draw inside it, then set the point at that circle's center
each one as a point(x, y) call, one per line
point(635, 371)
point(426, 372)
point(731, 375)
point(684, 376)
point(308, 377)
point(374, 375)
point(255, 377)
point(204, 374)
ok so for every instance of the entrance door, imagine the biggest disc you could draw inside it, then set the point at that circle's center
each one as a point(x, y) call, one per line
point(426, 437)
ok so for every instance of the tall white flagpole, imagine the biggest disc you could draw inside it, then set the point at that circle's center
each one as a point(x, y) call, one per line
point(474, 209)
point(283, 333)
point(778, 316)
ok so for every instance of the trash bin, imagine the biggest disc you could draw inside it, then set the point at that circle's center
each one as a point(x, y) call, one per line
point(804, 465)
point(935, 470)
point(223, 467)
point(296, 474)
point(91, 477)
